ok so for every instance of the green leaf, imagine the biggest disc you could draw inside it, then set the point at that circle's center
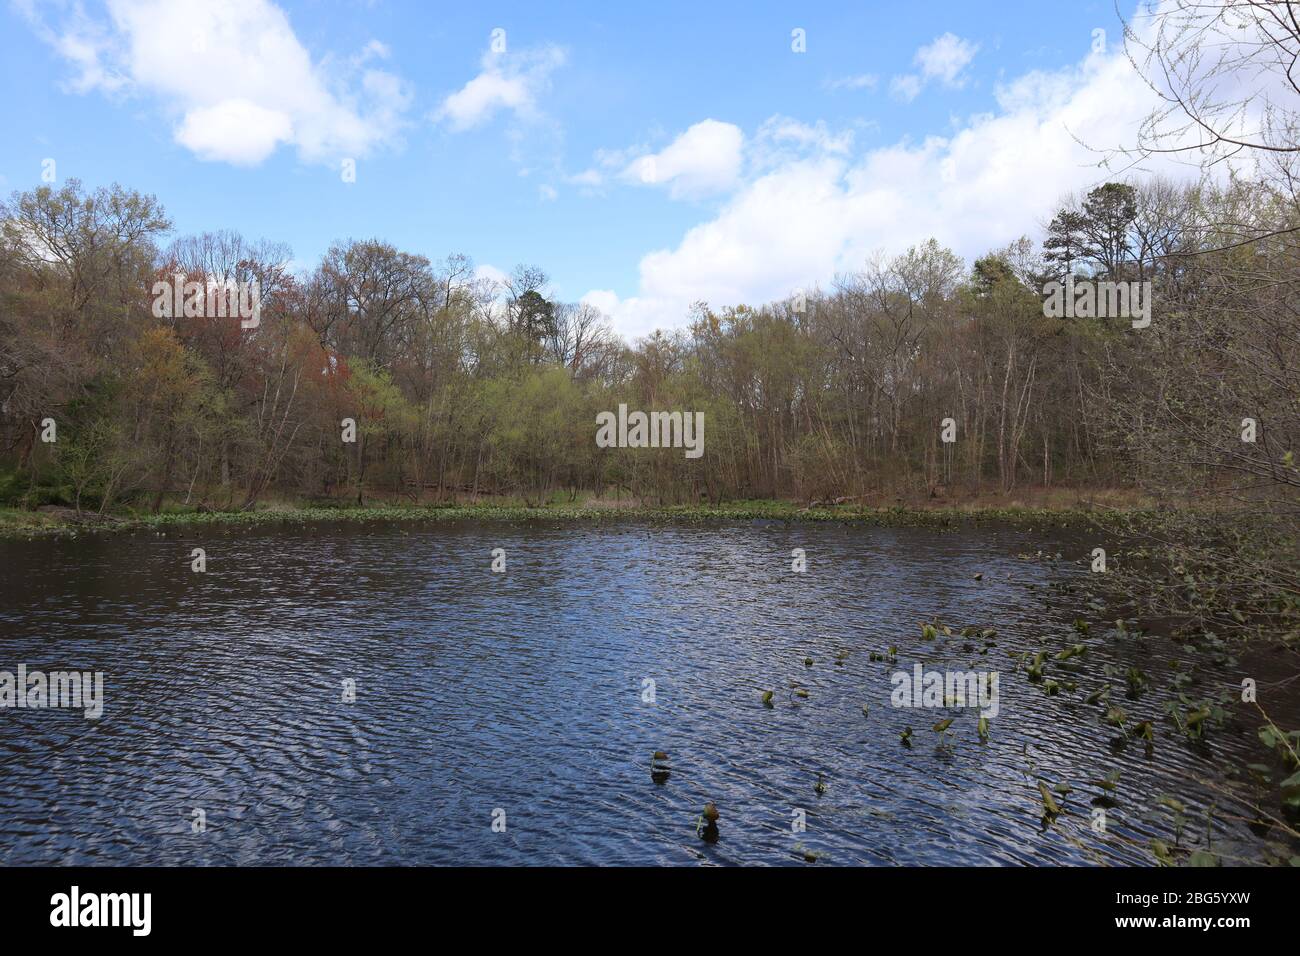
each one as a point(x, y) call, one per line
point(1162, 852)
point(1049, 802)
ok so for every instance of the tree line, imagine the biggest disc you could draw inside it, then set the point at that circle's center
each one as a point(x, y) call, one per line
point(464, 386)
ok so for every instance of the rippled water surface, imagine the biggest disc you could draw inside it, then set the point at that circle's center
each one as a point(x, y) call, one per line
point(525, 692)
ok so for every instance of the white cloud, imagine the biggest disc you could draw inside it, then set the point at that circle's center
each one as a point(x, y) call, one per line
point(781, 138)
point(712, 157)
point(944, 60)
point(704, 160)
point(81, 41)
point(905, 88)
point(590, 178)
point(798, 221)
point(234, 131)
point(506, 81)
point(491, 273)
point(233, 77)
point(604, 299)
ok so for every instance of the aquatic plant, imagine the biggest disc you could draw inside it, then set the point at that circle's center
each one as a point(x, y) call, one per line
point(1160, 850)
point(1286, 745)
point(706, 824)
point(1136, 681)
point(1108, 782)
point(1051, 809)
point(1035, 668)
point(1099, 695)
point(809, 856)
point(1116, 717)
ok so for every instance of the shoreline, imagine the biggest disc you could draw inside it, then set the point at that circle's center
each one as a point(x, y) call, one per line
point(21, 524)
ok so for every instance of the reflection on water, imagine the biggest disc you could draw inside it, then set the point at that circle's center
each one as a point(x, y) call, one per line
point(525, 699)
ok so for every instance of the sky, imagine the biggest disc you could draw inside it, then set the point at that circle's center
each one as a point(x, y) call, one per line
point(646, 156)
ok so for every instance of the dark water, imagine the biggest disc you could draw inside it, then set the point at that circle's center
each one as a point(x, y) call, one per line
point(523, 692)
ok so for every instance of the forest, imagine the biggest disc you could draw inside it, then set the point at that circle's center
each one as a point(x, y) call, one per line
point(462, 387)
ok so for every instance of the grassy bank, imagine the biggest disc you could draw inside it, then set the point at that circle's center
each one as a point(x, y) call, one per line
point(62, 521)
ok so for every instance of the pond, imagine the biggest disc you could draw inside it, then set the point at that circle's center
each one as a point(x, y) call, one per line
point(377, 694)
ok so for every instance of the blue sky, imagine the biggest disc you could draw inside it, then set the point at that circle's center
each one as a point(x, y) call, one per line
point(645, 156)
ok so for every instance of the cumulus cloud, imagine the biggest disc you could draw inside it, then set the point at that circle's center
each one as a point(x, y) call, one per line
point(234, 131)
point(703, 160)
point(604, 299)
point(944, 60)
point(712, 157)
point(797, 221)
point(506, 81)
point(233, 77)
point(782, 138)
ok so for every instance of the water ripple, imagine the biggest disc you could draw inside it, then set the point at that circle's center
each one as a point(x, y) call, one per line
point(477, 693)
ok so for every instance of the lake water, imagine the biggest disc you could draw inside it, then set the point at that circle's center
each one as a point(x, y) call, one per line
point(521, 698)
